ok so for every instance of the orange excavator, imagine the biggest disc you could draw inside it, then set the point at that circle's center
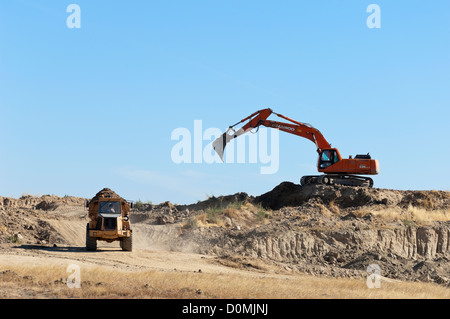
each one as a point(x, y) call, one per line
point(337, 170)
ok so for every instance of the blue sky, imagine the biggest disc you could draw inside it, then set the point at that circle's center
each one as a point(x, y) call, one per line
point(82, 109)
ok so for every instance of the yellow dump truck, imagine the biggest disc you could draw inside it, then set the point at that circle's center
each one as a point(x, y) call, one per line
point(109, 216)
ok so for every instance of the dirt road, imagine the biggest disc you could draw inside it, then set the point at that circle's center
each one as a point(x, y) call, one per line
point(111, 258)
point(148, 252)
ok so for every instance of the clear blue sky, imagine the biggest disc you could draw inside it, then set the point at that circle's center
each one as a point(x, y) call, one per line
point(82, 109)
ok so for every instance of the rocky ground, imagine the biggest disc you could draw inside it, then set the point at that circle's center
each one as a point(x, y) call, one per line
point(332, 231)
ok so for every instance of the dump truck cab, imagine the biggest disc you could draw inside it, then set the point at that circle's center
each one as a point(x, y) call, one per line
point(109, 221)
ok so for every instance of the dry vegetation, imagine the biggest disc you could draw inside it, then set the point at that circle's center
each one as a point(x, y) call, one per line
point(248, 214)
point(96, 282)
point(419, 215)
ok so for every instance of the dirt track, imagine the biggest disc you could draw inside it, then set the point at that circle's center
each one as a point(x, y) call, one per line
point(57, 238)
point(111, 257)
point(146, 254)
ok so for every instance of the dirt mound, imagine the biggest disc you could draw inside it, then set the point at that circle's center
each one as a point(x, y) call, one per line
point(285, 194)
point(45, 202)
point(288, 194)
point(27, 226)
point(218, 202)
point(28, 219)
point(107, 193)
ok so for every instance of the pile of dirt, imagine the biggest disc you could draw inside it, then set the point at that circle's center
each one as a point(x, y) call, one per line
point(290, 194)
point(160, 214)
point(168, 213)
point(27, 226)
point(106, 193)
point(217, 202)
point(27, 220)
point(45, 202)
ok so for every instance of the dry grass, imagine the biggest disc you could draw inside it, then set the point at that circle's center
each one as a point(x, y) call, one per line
point(96, 282)
point(240, 213)
point(417, 215)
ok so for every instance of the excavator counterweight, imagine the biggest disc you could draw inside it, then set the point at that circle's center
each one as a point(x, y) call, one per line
point(337, 170)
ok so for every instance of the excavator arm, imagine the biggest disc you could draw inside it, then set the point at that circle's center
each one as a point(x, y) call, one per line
point(260, 118)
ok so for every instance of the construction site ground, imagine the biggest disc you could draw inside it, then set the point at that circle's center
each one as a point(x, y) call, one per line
point(291, 242)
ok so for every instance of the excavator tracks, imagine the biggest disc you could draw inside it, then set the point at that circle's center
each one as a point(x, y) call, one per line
point(337, 179)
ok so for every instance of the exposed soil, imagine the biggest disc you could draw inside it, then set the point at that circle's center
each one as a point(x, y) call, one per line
point(107, 193)
point(320, 230)
point(333, 231)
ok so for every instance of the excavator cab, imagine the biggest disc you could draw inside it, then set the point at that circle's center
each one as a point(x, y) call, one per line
point(328, 158)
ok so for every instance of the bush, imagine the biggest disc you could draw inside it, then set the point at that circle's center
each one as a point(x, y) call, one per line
point(212, 215)
point(139, 205)
point(261, 213)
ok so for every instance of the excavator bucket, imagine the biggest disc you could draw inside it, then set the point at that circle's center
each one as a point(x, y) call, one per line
point(221, 142)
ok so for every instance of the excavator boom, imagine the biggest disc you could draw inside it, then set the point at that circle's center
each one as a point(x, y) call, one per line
point(337, 170)
point(260, 118)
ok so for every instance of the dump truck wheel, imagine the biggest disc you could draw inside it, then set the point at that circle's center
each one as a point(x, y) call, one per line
point(91, 242)
point(127, 243)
